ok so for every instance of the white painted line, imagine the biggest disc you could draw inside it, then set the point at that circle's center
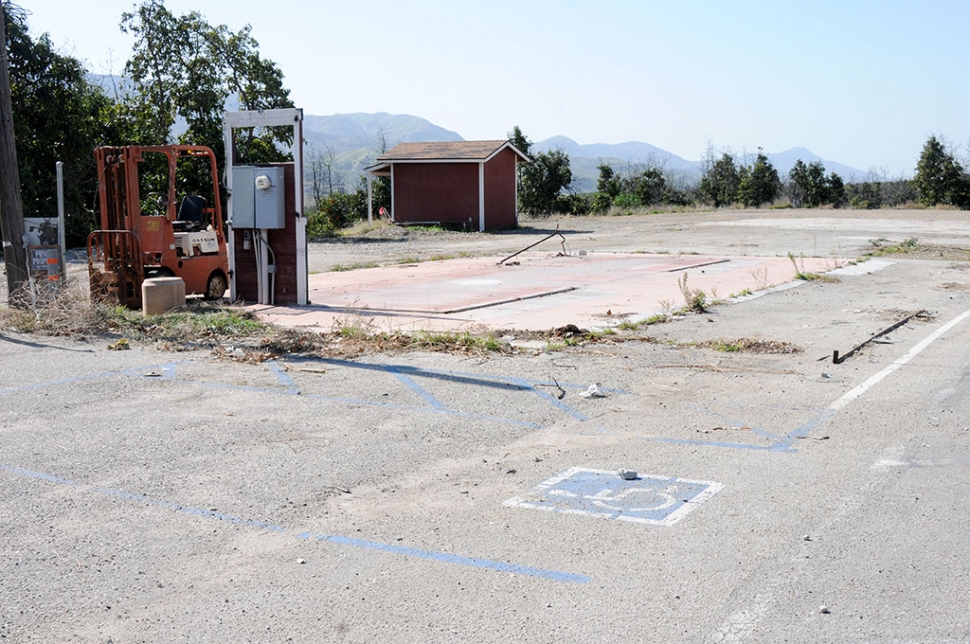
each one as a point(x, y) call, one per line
point(741, 625)
point(851, 395)
point(650, 499)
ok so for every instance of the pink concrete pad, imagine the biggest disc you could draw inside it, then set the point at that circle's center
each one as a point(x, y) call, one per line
point(458, 285)
point(538, 293)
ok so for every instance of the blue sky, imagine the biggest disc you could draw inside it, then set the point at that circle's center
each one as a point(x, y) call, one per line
point(863, 83)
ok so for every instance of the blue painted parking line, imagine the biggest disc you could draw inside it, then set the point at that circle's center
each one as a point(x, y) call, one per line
point(422, 393)
point(443, 557)
point(757, 431)
point(167, 370)
point(653, 500)
point(405, 374)
point(474, 562)
point(283, 377)
point(776, 443)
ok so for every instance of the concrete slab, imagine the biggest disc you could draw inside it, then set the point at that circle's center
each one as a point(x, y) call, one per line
point(535, 292)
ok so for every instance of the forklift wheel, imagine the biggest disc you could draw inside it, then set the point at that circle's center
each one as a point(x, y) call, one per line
point(216, 287)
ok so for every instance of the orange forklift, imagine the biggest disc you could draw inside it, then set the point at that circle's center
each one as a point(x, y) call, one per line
point(161, 216)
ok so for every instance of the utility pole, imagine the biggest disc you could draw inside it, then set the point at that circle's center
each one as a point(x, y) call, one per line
point(11, 206)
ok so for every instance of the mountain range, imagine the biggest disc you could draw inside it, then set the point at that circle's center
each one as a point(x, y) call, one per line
point(352, 141)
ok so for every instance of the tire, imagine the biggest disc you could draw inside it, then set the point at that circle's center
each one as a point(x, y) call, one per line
point(216, 287)
point(161, 271)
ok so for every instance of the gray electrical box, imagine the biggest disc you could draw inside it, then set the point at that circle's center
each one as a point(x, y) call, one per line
point(257, 197)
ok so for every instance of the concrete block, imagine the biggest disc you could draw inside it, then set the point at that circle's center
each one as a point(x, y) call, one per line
point(162, 294)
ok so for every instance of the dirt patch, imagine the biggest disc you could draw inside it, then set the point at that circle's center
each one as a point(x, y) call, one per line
point(912, 249)
point(953, 286)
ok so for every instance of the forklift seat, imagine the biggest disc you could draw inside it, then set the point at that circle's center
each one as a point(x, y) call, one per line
point(191, 213)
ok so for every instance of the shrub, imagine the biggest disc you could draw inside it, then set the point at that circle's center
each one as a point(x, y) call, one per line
point(336, 211)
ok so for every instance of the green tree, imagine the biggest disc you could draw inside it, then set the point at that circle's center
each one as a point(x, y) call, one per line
point(607, 188)
point(542, 181)
point(58, 116)
point(939, 176)
point(648, 186)
point(721, 180)
point(759, 183)
point(182, 66)
point(520, 141)
point(607, 183)
point(836, 190)
point(864, 196)
point(807, 185)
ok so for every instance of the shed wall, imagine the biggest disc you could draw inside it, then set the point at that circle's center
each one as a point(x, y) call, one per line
point(500, 211)
point(436, 192)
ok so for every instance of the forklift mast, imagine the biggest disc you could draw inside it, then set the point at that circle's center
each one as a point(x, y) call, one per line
point(161, 216)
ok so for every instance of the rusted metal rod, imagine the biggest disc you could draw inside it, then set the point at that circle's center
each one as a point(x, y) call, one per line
point(534, 245)
point(837, 359)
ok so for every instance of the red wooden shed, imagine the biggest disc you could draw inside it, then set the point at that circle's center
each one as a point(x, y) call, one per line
point(467, 184)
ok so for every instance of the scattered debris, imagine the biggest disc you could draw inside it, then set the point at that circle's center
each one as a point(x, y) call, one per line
point(824, 609)
point(736, 428)
point(628, 475)
point(807, 537)
point(594, 391)
point(301, 561)
point(121, 344)
point(569, 331)
point(562, 392)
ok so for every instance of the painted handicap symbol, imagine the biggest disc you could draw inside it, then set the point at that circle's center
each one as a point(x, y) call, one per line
point(647, 499)
point(654, 500)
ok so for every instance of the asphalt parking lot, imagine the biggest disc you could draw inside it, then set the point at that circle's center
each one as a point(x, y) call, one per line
point(423, 497)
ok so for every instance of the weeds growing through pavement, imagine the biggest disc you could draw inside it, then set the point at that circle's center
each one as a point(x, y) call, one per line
point(694, 299)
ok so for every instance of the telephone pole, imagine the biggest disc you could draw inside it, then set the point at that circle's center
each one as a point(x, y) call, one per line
point(11, 206)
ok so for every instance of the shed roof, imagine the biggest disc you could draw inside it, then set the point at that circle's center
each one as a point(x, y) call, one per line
point(447, 151)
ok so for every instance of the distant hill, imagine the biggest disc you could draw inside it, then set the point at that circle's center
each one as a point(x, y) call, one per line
point(347, 131)
point(629, 152)
point(584, 159)
point(785, 161)
point(354, 141)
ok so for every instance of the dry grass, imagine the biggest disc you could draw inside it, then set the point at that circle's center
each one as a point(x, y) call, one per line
point(234, 333)
point(749, 345)
point(912, 248)
point(63, 310)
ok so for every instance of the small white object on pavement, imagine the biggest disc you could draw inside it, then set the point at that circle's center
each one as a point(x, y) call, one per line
point(594, 391)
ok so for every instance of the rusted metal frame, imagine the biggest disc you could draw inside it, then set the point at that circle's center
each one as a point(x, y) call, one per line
point(548, 237)
point(839, 359)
